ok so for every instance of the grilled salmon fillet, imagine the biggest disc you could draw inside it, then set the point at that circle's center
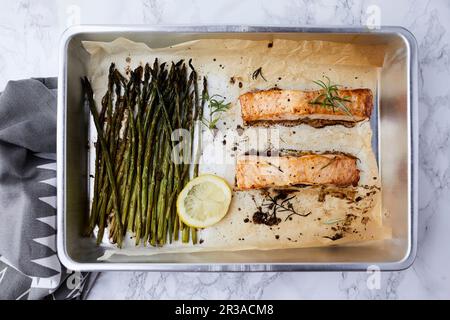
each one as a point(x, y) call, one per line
point(256, 172)
point(294, 105)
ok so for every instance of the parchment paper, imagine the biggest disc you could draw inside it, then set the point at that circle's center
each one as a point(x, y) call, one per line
point(229, 64)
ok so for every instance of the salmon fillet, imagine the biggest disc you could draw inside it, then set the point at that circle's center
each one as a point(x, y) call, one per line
point(256, 172)
point(294, 105)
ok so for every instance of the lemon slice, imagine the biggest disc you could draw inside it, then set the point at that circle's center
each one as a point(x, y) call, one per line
point(204, 201)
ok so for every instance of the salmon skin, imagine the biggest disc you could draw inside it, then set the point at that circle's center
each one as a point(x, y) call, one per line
point(295, 105)
point(257, 172)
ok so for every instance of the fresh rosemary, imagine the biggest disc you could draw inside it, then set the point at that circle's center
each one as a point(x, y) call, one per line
point(216, 105)
point(329, 162)
point(257, 73)
point(271, 205)
point(329, 98)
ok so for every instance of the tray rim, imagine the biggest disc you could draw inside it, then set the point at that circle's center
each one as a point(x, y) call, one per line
point(412, 73)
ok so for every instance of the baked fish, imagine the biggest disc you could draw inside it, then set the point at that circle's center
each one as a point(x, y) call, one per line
point(295, 106)
point(256, 172)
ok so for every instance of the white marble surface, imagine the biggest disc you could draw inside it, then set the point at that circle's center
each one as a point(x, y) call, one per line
point(29, 34)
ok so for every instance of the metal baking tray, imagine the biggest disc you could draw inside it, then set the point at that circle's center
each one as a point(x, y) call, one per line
point(396, 147)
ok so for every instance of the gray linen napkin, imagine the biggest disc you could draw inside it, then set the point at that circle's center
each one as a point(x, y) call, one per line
point(29, 266)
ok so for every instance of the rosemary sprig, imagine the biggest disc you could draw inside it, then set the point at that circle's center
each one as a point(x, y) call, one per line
point(135, 179)
point(271, 205)
point(257, 73)
point(329, 162)
point(216, 104)
point(329, 98)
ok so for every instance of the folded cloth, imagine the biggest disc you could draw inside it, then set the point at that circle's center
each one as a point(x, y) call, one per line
point(29, 266)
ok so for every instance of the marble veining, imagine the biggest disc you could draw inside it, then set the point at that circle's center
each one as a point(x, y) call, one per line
point(29, 36)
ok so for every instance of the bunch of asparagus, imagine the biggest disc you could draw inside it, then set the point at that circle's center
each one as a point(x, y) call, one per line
point(136, 182)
